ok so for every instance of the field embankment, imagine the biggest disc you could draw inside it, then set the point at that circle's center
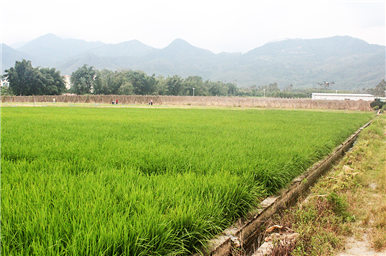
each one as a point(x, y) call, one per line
point(140, 181)
point(247, 102)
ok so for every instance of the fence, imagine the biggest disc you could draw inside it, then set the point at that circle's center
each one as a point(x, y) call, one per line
point(246, 102)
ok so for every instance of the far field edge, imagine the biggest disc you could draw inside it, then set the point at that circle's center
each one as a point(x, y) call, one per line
point(198, 101)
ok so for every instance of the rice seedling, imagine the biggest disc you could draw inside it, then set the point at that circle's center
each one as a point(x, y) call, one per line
point(130, 181)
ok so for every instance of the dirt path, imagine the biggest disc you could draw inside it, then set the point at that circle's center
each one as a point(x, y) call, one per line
point(365, 234)
point(354, 247)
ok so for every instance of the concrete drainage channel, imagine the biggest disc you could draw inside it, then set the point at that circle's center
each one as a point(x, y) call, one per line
point(248, 235)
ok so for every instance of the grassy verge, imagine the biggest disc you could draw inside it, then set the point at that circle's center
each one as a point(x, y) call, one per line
point(348, 202)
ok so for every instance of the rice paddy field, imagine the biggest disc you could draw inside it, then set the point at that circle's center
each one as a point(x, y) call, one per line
point(148, 181)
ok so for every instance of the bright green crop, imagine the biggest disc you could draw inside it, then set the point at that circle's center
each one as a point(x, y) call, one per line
point(132, 181)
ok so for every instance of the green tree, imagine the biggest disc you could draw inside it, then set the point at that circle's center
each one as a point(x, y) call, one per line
point(5, 91)
point(19, 76)
point(196, 83)
point(161, 88)
point(84, 79)
point(174, 85)
point(109, 82)
point(218, 89)
point(215, 89)
point(99, 86)
point(54, 81)
point(126, 89)
point(232, 89)
point(27, 80)
point(142, 83)
point(151, 85)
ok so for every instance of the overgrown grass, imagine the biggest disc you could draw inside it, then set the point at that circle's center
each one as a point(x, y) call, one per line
point(349, 200)
point(93, 181)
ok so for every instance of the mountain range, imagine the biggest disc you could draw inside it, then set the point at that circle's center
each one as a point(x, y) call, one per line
point(351, 63)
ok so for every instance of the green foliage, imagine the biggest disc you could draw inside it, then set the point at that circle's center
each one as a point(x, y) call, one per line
point(54, 83)
point(27, 80)
point(126, 89)
point(139, 83)
point(142, 83)
point(375, 130)
point(377, 104)
point(318, 223)
point(128, 82)
point(84, 80)
point(5, 91)
point(175, 86)
point(134, 181)
point(339, 206)
point(195, 82)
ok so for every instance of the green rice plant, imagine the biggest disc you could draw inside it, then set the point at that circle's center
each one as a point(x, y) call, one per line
point(131, 181)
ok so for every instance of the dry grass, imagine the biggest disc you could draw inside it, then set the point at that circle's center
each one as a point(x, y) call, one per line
point(349, 201)
point(285, 248)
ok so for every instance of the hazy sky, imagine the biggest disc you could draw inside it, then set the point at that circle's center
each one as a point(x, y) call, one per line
point(219, 26)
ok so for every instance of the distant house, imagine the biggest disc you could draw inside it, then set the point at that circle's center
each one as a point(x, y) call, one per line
point(67, 81)
point(4, 83)
point(341, 96)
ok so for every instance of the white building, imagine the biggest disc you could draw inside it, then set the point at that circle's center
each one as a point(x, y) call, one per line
point(341, 96)
point(4, 83)
point(67, 81)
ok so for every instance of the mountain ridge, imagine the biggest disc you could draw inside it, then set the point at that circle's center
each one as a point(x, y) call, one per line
point(127, 48)
point(352, 63)
point(50, 49)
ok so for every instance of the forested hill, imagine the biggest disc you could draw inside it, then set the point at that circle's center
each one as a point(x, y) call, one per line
point(351, 63)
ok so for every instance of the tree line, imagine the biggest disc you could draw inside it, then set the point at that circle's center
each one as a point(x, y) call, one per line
point(24, 79)
point(87, 80)
point(27, 80)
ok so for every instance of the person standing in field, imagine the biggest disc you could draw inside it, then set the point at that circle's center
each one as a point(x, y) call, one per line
point(116, 101)
point(151, 102)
